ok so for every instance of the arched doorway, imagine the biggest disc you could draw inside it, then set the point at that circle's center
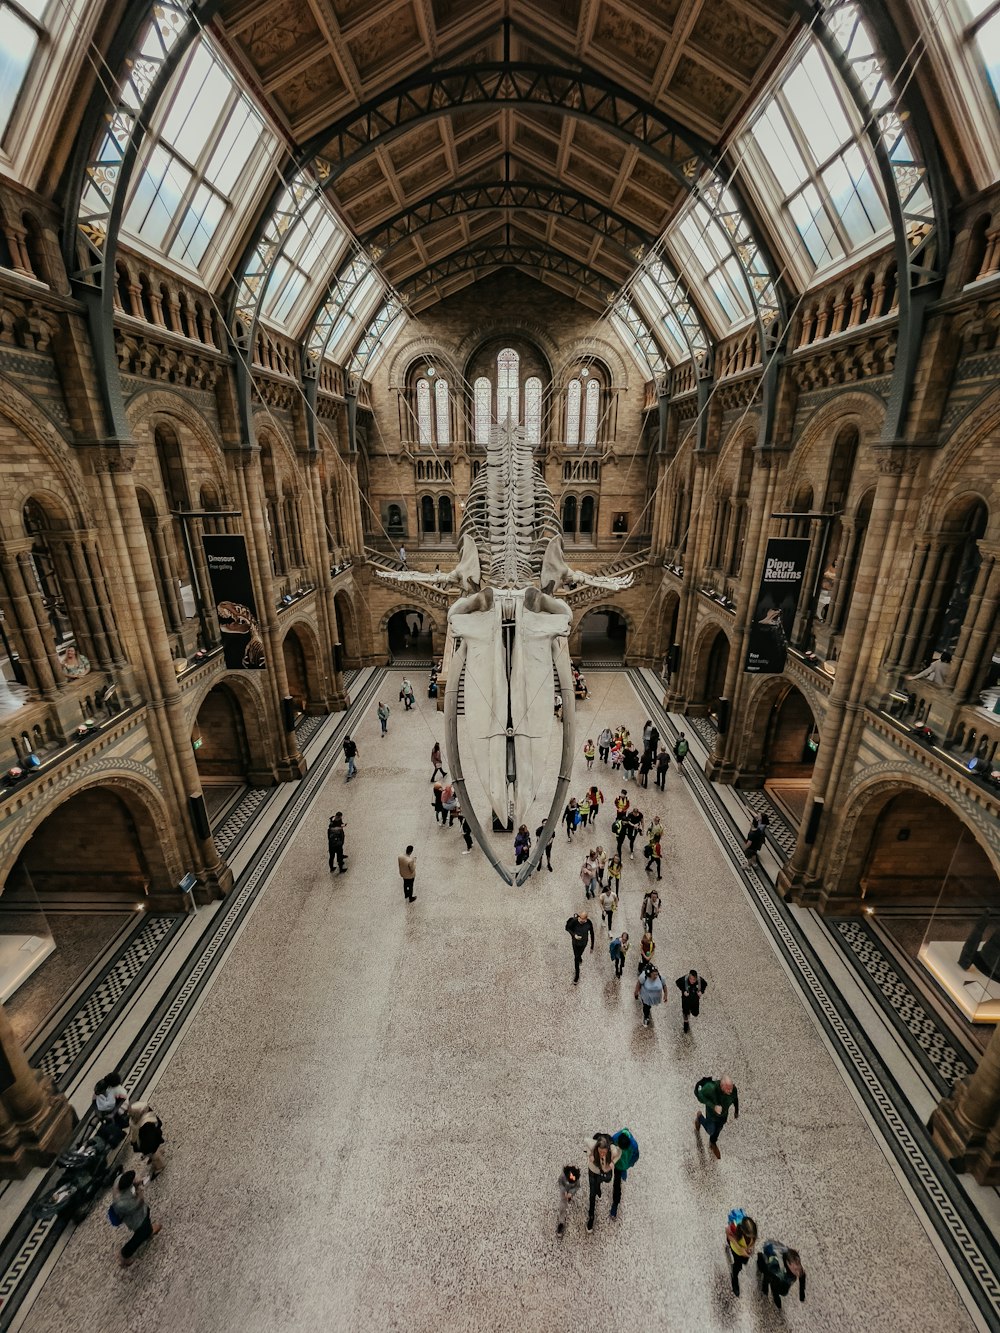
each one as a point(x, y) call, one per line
point(75, 885)
point(784, 739)
point(296, 671)
point(410, 635)
point(222, 751)
point(603, 636)
point(710, 678)
point(346, 630)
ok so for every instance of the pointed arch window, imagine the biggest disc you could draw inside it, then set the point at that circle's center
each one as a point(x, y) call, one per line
point(574, 393)
point(424, 426)
point(533, 410)
point(508, 383)
point(592, 413)
point(482, 400)
point(441, 409)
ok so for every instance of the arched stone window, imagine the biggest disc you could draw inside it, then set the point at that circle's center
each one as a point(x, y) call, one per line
point(569, 515)
point(442, 412)
point(445, 515)
point(588, 509)
point(592, 412)
point(508, 385)
point(482, 395)
point(426, 514)
point(533, 410)
point(425, 427)
point(574, 396)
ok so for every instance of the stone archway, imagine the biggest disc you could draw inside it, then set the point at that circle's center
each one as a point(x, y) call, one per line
point(708, 677)
point(409, 634)
point(781, 739)
point(303, 669)
point(603, 634)
point(230, 745)
point(347, 631)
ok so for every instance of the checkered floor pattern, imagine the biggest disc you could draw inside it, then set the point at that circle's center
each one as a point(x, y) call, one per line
point(242, 814)
point(308, 728)
point(930, 1045)
point(702, 727)
point(83, 1030)
point(778, 830)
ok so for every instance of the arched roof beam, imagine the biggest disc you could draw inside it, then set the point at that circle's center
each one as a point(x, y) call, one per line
point(861, 44)
point(581, 94)
point(373, 336)
point(524, 195)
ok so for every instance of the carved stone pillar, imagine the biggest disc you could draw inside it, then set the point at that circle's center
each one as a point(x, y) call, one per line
point(927, 591)
point(979, 629)
point(966, 1125)
point(36, 1122)
point(42, 667)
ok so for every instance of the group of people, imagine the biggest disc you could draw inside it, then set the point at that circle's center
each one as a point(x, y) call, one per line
point(779, 1266)
point(616, 747)
point(117, 1116)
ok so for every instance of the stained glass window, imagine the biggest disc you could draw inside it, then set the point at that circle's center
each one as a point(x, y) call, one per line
point(592, 414)
point(533, 410)
point(442, 418)
point(573, 393)
point(508, 366)
point(482, 401)
point(424, 429)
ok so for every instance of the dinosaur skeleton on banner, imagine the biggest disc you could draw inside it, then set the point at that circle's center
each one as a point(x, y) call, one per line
point(509, 634)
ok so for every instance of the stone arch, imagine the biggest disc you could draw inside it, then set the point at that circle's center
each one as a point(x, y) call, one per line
point(868, 799)
point(664, 621)
point(243, 751)
point(576, 638)
point(857, 408)
point(708, 667)
point(158, 856)
point(347, 629)
point(408, 353)
point(40, 434)
point(593, 349)
point(770, 742)
point(149, 408)
point(513, 329)
point(304, 667)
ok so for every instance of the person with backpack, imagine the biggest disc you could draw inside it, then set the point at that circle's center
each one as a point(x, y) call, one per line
point(146, 1136)
point(681, 750)
point(604, 745)
point(383, 717)
point(618, 949)
point(436, 761)
point(351, 757)
point(571, 817)
point(780, 1268)
point(588, 753)
point(622, 804)
point(335, 842)
point(647, 948)
point(634, 821)
point(406, 695)
point(627, 1142)
point(440, 813)
point(654, 855)
point(111, 1106)
point(602, 1158)
point(662, 764)
point(522, 845)
point(580, 929)
point(755, 839)
point(569, 1185)
point(588, 874)
point(692, 988)
point(615, 874)
point(650, 909)
point(718, 1097)
point(649, 989)
point(548, 848)
point(601, 857)
point(620, 829)
point(130, 1209)
point(741, 1237)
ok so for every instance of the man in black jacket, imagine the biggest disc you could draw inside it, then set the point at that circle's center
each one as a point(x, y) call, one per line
point(335, 841)
point(692, 988)
point(580, 927)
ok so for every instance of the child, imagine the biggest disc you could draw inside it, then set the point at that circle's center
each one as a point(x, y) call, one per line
point(569, 1184)
point(619, 949)
point(588, 753)
point(741, 1237)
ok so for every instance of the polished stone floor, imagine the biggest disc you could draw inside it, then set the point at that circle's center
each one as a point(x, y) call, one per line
point(368, 1113)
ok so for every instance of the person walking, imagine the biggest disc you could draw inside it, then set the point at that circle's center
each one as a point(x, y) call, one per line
point(692, 988)
point(649, 990)
point(630, 762)
point(467, 835)
point(604, 744)
point(718, 1097)
point(615, 874)
point(650, 909)
point(594, 800)
point(654, 853)
point(440, 814)
point(601, 857)
point(618, 948)
point(351, 757)
point(569, 1185)
point(146, 1136)
point(780, 1268)
point(548, 847)
point(580, 928)
point(609, 906)
point(406, 696)
point(651, 738)
point(402, 556)
point(617, 750)
point(647, 949)
point(588, 874)
point(522, 845)
point(602, 1158)
point(622, 804)
point(408, 873)
point(383, 717)
point(741, 1237)
point(335, 842)
point(588, 753)
point(647, 732)
point(755, 839)
point(627, 1142)
point(571, 817)
point(620, 829)
point(681, 749)
point(634, 821)
point(130, 1209)
point(662, 764)
point(449, 805)
point(436, 758)
point(645, 765)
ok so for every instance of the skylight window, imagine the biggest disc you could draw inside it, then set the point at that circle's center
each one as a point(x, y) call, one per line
point(809, 141)
point(313, 245)
point(637, 339)
point(356, 310)
point(984, 33)
point(20, 37)
point(205, 141)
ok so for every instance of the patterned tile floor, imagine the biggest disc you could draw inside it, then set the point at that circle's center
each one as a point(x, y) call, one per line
point(394, 1089)
point(240, 817)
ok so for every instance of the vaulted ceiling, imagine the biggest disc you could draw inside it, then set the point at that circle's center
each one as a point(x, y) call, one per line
point(460, 137)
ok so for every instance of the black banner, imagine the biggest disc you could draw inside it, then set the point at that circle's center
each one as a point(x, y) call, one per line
point(777, 598)
point(235, 605)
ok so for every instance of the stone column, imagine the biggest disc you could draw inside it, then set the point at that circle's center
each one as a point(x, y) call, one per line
point(683, 682)
point(324, 596)
point(37, 657)
point(806, 607)
point(168, 581)
point(87, 599)
point(36, 1122)
point(918, 613)
point(980, 627)
point(845, 568)
point(965, 1126)
point(918, 563)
